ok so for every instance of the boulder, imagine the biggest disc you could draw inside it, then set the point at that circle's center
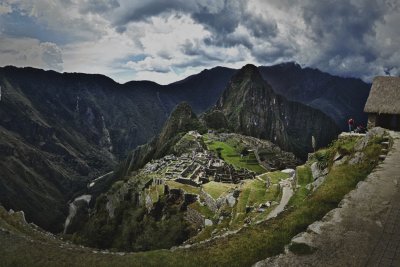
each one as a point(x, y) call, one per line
point(340, 161)
point(289, 171)
point(357, 158)
point(208, 222)
point(317, 183)
point(317, 172)
point(377, 131)
point(231, 200)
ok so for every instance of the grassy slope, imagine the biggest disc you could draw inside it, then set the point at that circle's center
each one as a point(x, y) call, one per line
point(251, 244)
point(216, 189)
point(231, 154)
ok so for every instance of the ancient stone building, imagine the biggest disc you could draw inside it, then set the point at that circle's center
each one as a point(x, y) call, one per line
point(383, 104)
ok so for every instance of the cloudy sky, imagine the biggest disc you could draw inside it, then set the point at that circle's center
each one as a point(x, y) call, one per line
point(167, 40)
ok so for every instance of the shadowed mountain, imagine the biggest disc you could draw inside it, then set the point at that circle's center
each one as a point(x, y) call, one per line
point(59, 131)
point(340, 98)
point(251, 107)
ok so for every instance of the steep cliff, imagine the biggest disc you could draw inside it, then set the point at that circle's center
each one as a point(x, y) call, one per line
point(60, 131)
point(253, 108)
point(338, 97)
point(181, 120)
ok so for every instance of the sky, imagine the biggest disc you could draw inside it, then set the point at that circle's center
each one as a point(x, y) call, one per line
point(168, 40)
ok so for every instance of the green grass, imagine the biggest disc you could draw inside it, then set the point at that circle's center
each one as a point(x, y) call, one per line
point(304, 177)
point(206, 212)
point(254, 192)
point(187, 188)
point(275, 176)
point(155, 192)
point(303, 174)
point(216, 189)
point(258, 193)
point(232, 155)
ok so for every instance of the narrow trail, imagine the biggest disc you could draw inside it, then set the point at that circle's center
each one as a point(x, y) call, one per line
point(364, 230)
point(287, 193)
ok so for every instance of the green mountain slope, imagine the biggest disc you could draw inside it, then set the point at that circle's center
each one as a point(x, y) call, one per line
point(251, 107)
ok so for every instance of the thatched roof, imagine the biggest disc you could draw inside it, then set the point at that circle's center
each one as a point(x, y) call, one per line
point(384, 96)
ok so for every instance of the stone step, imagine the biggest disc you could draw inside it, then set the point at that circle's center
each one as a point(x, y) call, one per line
point(384, 150)
point(386, 144)
point(386, 138)
point(382, 157)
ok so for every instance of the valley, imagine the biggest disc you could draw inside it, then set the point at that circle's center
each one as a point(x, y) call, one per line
point(238, 241)
point(229, 173)
point(61, 131)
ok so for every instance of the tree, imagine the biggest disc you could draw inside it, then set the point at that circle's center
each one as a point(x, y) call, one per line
point(245, 152)
point(219, 149)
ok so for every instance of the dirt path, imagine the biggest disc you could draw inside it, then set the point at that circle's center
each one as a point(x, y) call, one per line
point(364, 230)
point(287, 193)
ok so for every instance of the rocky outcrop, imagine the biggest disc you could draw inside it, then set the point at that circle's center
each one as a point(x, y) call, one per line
point(253, 108)
point(181, 120)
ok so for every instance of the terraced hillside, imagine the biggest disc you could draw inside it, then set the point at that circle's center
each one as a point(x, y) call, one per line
point(318, 187)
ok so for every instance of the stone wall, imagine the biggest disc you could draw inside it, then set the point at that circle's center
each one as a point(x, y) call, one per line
point(187, 181)
point(210, 202)
point(371, 120)
point(194, 217)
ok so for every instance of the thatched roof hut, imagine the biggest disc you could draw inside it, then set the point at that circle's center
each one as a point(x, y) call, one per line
point(383, 103)
point(384, 97)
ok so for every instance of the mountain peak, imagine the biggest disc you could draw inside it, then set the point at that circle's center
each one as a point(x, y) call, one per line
point(181, 120)
point(249, 67)
point(248, 72)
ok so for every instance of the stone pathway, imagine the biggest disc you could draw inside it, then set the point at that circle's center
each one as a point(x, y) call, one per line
point(387, 250)
point(363, 231)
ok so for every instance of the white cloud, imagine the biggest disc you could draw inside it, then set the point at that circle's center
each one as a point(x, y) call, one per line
point(99, 56)
point(24, 52)
point(5, 8)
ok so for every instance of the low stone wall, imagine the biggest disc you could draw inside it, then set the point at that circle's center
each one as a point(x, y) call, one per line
point(194, 217)
point(187, 181)
point(210, 202)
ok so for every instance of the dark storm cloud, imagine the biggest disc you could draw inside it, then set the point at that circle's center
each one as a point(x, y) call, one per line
point(345, 29)
point(135, 12)
point(221, 18)
point(343, 23)
point(346, 37)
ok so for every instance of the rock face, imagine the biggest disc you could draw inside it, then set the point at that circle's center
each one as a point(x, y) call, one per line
point(253, 108)
point(339, 98)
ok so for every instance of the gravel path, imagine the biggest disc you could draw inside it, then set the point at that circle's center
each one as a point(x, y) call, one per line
point(364, 230)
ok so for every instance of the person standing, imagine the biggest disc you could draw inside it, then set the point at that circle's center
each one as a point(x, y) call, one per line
point(350, 122)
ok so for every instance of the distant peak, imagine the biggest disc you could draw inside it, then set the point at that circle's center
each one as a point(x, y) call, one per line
point(183, 109)
point(248, 72)
point(249, 67)
point(289, 64)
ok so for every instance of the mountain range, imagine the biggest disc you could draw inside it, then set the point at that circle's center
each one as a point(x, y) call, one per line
point(60, 131)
